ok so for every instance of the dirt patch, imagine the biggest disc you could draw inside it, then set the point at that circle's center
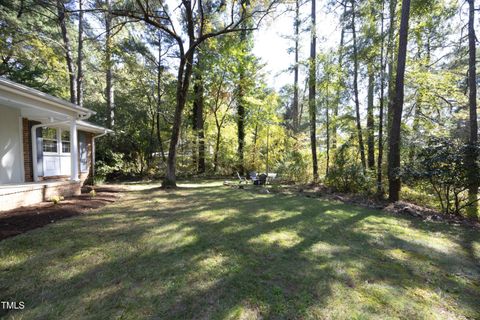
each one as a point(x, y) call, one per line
point(20, 220)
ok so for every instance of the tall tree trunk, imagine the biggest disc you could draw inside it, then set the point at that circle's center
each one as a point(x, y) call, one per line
point(391, 61)
point(255, 139)
point(355, 89)
point(241, 111)
point(198, 106)
point(394, 183)
point(472, 155)
point(109, 91)
point(327, 119)
point(183, 82)
point(370, 119)
point(68, 51)
point(415, 129)
point(295, 71)
point(312, 105)
point(159, 95)
point(381, 107)
point(217, 148)
point(341, 84)
point(80, 55)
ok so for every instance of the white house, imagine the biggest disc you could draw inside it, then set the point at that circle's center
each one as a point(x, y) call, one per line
point(46, 146)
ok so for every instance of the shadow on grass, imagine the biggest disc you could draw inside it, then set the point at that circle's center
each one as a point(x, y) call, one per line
point(216, 252)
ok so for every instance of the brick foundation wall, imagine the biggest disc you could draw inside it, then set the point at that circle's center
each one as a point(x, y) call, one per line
point(27, 150)
point(24, 195)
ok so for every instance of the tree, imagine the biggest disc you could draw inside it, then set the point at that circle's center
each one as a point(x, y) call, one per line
point(80, 55)
point(381, 107)
point(397, 108)
point(62, 20)
point(109, 89)
point(355, 89)
point(159, 95)
point(472, 154)
point(312, 103)
point(194, 15)
point(241, 102)
point(295, 114)
point(341, 77)
point(198, 106)
point(370, 119)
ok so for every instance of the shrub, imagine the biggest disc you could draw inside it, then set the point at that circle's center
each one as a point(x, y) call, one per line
point(347, 175)
point(440, 168)
point(294, 166)
point(56, 199)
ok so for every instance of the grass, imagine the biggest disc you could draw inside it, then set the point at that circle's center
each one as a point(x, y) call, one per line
point(206, 251)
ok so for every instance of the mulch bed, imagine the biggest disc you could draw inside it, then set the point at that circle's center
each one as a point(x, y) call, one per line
point(20, 220)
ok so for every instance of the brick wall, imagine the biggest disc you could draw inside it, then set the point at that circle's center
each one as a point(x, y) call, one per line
point(27, 150)
point(25, 195)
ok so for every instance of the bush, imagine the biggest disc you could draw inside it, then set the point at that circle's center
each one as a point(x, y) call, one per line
point(56, 199)
point(347, 175)
point(113, 162)
point(295, 166)
point(440, 168)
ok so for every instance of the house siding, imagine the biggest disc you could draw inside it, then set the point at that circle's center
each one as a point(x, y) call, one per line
point(10, 146)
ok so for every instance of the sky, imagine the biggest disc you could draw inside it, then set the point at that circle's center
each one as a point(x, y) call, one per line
point(271, 45)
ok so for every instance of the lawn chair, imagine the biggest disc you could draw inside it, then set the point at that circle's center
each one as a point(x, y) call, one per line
point(253, 176)
point(271, 176)
point(241, 179)
point(261, 180)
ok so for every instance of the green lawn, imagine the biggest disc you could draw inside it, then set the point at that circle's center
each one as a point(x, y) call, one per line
point(207, 251)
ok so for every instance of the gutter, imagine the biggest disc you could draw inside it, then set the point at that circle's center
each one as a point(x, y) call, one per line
point(40, 96)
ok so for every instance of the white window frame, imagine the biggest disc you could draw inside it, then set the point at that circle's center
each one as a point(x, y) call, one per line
point(59, 144)
point(59, 154)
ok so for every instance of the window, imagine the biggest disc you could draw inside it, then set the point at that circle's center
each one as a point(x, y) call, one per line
point(65, 141)
point(49, 136)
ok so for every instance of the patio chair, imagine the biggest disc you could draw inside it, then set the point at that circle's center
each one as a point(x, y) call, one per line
point(262, 179)
point(271, 176)
point(241, 179)
point(253, 176)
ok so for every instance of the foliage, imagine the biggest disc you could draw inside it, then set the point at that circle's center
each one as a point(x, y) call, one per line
point(440, 163)
point(346, 173)
point(56, 199)
point(295, 165)
point(145, 64)
point(111, 163)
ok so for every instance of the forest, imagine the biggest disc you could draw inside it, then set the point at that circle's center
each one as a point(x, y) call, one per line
point(389, 111)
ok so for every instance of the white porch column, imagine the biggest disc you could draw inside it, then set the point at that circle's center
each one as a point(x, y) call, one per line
point(73, 150)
